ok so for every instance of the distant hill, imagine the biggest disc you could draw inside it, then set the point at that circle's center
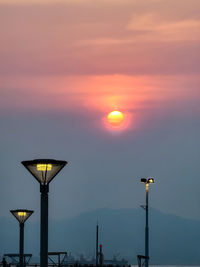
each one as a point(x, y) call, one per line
point(173, 240)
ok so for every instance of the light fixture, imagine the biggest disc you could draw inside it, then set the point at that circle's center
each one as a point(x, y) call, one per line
point(146, 207)
point(143, 180)
point(150, 180)
point(147, 181)
point(21, 215)
point(44, 170)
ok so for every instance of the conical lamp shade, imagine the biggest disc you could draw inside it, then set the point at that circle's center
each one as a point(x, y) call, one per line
point(21, 215)
point(44, 170)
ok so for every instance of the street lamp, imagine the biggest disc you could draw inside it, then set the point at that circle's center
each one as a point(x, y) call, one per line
point(147, 182)
point(21, 216)
point(44, 170)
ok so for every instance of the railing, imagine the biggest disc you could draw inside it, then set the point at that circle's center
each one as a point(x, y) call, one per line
point(38, 265)
point(61, 265)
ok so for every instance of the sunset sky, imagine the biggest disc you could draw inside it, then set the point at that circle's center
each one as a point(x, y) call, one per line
point(64, 66)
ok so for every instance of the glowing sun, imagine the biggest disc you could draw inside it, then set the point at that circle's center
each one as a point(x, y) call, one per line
point(115, 118)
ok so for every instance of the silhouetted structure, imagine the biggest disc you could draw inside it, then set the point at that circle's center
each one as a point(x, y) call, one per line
point(15, 258)
point(100, 256)
point(4, 262)
point(44, 170)
point(58, 255)
point(97, 243)
point(21, 215)
point(140, 258)
point(146, 207)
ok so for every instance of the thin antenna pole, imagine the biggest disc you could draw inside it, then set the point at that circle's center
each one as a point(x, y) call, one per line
point(97, 243)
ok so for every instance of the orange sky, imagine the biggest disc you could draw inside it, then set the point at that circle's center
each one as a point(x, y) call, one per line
point(131, 55)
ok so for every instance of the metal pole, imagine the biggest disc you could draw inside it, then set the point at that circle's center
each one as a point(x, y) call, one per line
point(147, 228)
point(58, 259)
point(97, 243)
point(44, 189)
point(21, 245)
point(100, 256)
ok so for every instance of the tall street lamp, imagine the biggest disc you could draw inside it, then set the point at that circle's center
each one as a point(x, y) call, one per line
point(21, 215)
point(44, 170)
point(147, 182)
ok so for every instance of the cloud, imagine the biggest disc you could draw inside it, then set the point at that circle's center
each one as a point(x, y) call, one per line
point(150, 27)
point(100, 94)
point(100, 38)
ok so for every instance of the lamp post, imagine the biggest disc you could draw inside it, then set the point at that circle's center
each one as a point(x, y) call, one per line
point(21, 215)
point(147, 182)
point(44, 170)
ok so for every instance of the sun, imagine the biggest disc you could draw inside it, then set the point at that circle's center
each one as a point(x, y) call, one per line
point(115, 118)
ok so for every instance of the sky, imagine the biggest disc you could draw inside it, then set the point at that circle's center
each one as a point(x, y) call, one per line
point(64, 66)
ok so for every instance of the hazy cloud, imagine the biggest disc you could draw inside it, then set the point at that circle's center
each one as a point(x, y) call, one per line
point(153, 28)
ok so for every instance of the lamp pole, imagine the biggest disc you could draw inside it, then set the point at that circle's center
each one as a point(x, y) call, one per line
point(21, 215)
point(147, 227)
point(147, 182)
point(44, 190)
point(21, 245)
point(44, 170)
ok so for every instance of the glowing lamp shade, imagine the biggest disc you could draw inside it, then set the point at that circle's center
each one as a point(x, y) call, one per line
point(147, 181)
point(44, 170)
point(22, 215)
point(151, 180)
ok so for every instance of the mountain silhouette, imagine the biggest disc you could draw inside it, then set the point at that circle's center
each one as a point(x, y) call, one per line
point(173, 240)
